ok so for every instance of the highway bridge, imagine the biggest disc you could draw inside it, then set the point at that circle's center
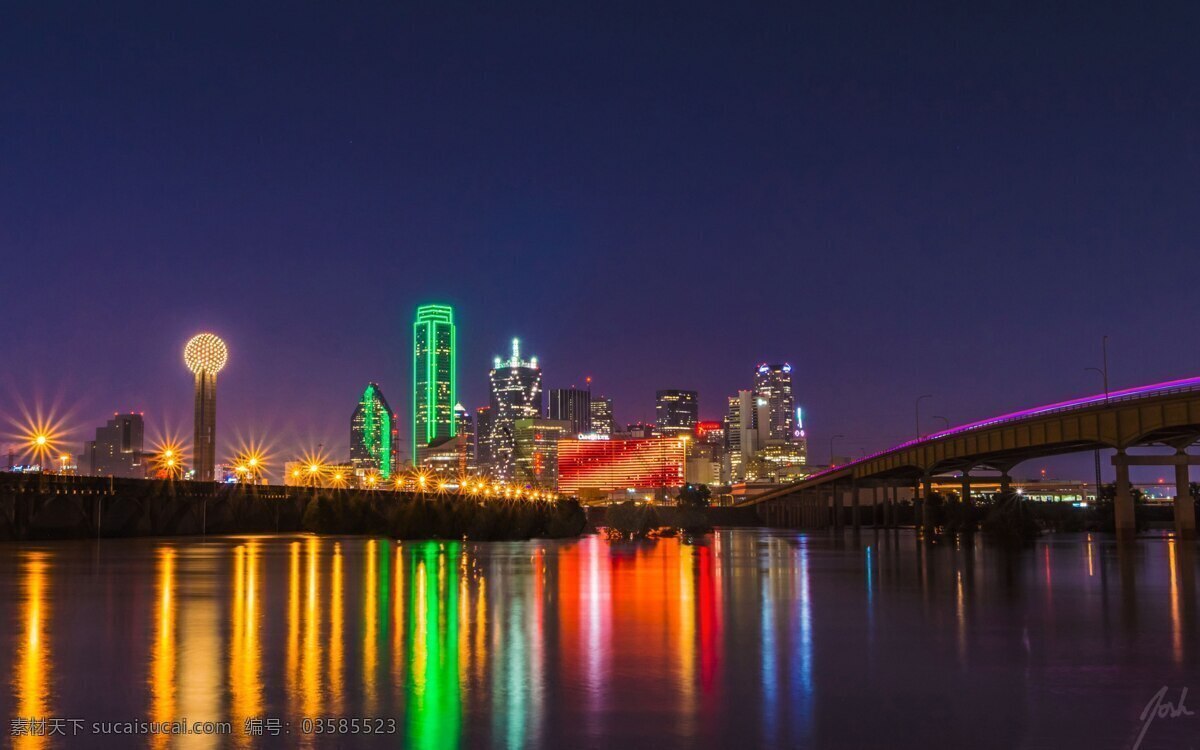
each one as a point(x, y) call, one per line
point(1161, 415)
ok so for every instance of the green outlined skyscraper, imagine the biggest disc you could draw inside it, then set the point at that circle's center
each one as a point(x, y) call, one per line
point(435, 376)
point(373, 433)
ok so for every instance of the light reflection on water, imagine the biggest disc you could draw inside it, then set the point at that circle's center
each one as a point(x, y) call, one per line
point(749, 638)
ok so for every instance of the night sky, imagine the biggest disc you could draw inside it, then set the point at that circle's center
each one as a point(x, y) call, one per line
point(957, 199)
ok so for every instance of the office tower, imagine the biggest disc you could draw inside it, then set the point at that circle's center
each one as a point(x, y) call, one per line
point(465, 429)
point(733, 440)
point(676, 412)
point(435, 378)
point(117, 450)
point(601, 416)
point(373, 433)
point(574, 406)
point(535, 450)
point(773, 385)
point(205, 355)
point(516, 393)
point(483, 440)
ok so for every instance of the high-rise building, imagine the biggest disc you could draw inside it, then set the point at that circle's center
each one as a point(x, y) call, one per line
point(205, 355)
point(483, 440)
point(435, 378)
point(594, 468)
point(676, 412)
point(574, 406)
point(601, 416)
point(741, 436)
point(465, 429)
point(118, 450)
point(773, 385)
point(373, 434)
point(535, 452)
point(516, 393)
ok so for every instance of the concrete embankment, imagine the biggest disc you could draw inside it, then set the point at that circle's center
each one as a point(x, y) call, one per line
point(44, 506)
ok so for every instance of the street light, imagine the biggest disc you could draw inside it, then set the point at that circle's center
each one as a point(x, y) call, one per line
point(1103, 374)
point(917, 408)
point(831, 439)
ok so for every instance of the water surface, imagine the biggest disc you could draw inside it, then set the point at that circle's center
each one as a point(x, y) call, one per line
point(749, 638)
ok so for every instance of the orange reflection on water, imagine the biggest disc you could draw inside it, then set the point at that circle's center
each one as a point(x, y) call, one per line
point(310, 654)
point(31, 679)
point(370, 624)
point(162, 667)
point(245, 683)
point(337, 620)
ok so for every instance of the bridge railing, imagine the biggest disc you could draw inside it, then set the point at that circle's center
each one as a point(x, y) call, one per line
point(1168, 388)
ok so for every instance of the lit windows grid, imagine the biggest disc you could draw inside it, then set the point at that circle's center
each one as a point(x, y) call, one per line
point(610, 465)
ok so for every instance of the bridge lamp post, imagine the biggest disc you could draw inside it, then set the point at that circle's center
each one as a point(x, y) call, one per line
point(1103, 374)
point(831, 439)
point(917, 409)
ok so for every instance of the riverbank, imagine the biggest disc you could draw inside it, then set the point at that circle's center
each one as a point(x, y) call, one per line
point(44, 507)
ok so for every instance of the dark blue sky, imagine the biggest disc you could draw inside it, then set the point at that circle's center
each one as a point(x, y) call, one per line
point(898, 198)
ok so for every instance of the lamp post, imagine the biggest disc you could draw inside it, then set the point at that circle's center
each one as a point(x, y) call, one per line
point(917, 410)
point(831, 439)
point(1103, 374)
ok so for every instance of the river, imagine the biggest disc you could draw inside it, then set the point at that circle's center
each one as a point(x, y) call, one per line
point(748, 638)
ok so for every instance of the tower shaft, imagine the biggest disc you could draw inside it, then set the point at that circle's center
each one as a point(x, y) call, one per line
point(205, 435)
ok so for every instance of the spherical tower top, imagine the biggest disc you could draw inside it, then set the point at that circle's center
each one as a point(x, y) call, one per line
point(205, 352)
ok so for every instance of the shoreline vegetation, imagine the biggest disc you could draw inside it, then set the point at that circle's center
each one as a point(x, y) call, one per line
point(444, 518)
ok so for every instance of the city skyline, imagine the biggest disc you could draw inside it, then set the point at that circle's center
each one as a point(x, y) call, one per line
point(847, 191)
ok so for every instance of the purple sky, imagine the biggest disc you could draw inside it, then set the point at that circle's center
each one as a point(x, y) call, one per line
point(898, 198)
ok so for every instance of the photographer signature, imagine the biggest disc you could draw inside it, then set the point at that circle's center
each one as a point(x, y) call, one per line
point(1160, 708)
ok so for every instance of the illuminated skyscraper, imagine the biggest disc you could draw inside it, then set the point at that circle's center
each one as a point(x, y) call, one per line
point(516, 387)
point(464, 425)
point(373, 434)
point(676, 413)
point(773, 384)
point(205, 355)
point(601, 410)
point(574, 406)
point(435, 377)
point(535, 450)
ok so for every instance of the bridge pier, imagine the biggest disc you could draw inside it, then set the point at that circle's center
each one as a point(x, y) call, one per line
point(927, 503)
point(855, 509)
point(875, 506)
point(966, 489)
point(836, 502)
point(1185, 506)
point(1126, 522)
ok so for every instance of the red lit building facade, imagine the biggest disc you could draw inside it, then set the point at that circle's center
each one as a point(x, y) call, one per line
point(595, 468)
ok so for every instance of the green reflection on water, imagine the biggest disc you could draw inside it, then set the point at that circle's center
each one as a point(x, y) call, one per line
point(434, 699)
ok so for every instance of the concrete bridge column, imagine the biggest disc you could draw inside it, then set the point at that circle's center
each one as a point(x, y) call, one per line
point(1005, 482)
point(966, 489)
point(1123, 505)
point(836, 502)
point(918, 503)
point(875, 506)
point(927, 505)
point(889, 510)
point(1185, 506)
point(855, 509)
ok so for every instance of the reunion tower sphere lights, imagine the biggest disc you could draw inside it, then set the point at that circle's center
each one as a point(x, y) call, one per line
point(205, 354)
